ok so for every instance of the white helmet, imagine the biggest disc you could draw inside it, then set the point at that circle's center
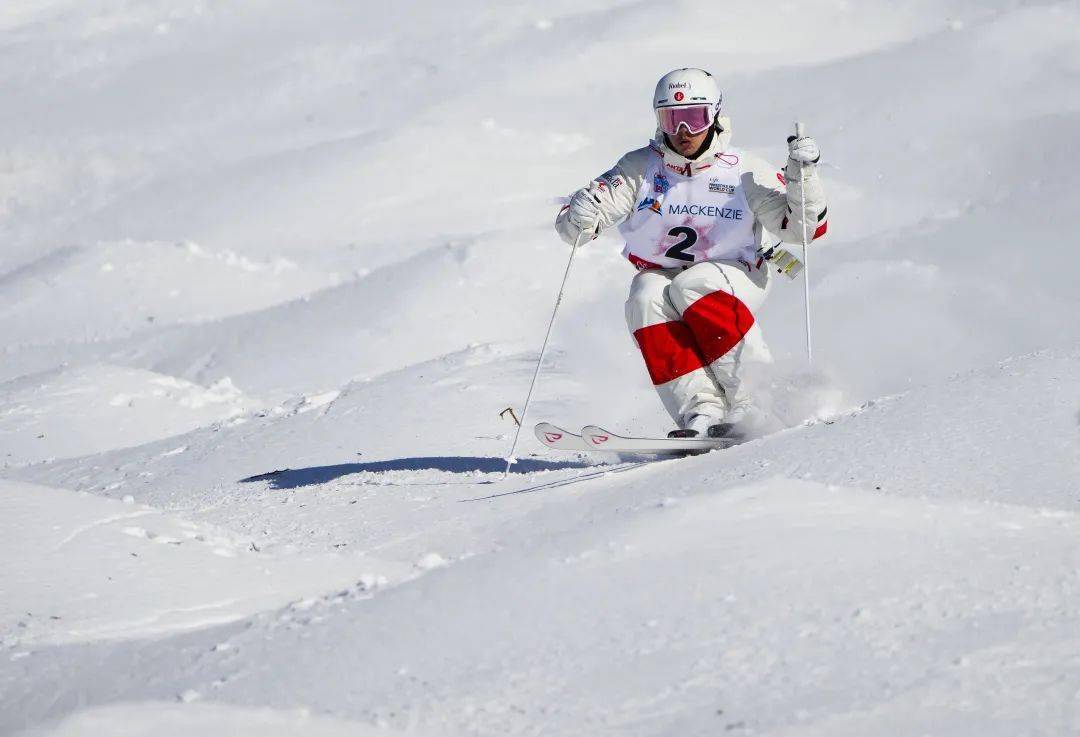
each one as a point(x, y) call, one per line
point(687, 87)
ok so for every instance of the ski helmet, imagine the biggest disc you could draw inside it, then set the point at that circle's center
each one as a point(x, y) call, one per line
point(686, 97)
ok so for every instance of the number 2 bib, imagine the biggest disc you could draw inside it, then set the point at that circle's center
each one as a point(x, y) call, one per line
point(680, 220)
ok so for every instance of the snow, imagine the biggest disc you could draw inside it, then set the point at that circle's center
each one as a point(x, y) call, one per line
point(165, 719)
point(65, 412)
point(270, 277)
point(93, 568)
point(107, 290)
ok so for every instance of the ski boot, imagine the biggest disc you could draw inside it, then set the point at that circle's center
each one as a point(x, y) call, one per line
point(740, 424)
point(697, 427)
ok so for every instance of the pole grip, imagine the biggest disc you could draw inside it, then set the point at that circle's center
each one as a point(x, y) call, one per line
point(800, 130)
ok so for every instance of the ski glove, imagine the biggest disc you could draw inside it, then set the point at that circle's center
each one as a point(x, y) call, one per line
point(803, 150)
point(802, 158)
point(584, 211)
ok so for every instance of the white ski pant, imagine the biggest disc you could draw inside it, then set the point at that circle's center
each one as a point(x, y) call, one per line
point(691, 327)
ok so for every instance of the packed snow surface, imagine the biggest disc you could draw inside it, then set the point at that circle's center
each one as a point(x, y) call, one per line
point(270, 276)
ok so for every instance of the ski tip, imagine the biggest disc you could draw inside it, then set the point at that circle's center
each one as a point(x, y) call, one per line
point(596, 436)
point(547, 433)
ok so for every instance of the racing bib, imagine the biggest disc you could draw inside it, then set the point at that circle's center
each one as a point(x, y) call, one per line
point(680, 220)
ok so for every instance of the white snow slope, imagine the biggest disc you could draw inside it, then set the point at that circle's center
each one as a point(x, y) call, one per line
point(270, 273)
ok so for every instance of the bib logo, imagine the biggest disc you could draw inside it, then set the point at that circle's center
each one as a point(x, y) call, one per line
point(715, 185)
point(710, 211)
point(649, 204)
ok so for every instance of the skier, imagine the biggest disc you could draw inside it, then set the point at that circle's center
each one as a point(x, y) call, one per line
point(696, 216)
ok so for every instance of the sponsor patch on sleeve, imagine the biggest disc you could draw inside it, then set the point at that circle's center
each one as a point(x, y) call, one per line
point(613, 178)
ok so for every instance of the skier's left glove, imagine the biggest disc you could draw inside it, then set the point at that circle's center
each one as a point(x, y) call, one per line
point(803, 156)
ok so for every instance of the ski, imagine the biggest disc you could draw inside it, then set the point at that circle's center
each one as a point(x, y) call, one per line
point(555, 437)
point(597, 438)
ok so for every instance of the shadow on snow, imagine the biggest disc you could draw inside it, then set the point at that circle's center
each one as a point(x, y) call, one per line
point(292, 478)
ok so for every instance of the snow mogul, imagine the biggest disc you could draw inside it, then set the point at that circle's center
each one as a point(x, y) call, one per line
point(700, 219)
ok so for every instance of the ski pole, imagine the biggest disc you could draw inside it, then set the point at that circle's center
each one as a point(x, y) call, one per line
point(799, 130)
point(543, 349)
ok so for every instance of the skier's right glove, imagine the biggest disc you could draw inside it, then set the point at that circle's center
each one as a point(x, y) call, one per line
point(584, 211)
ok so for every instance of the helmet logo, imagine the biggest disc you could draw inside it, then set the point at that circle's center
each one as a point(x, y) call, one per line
point(679, 96)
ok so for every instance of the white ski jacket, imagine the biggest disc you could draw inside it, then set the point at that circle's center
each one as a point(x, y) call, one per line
point(773, 196)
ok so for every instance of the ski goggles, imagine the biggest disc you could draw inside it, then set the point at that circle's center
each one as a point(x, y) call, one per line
point(696, 118)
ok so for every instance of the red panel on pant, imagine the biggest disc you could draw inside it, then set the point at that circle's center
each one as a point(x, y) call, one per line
point(669, 351)
point(718, 322)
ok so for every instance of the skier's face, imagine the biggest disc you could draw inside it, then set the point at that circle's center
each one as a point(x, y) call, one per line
point(685, 142)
